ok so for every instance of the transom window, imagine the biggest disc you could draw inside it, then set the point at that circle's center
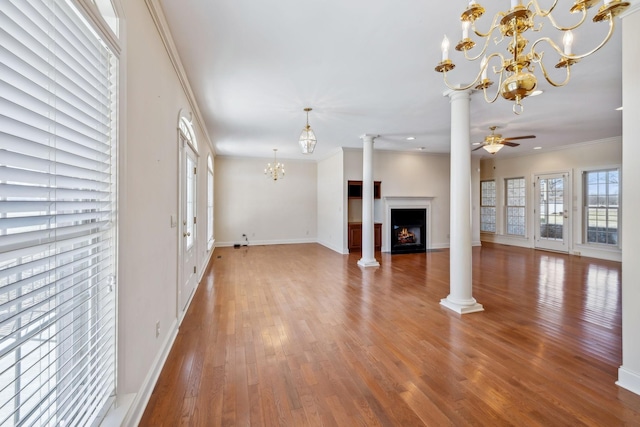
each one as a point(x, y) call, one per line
point(186, 129)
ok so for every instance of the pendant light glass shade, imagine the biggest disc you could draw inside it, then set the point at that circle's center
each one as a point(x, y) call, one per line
point(307, 137)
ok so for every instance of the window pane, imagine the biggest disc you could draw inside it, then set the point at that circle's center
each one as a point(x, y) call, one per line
point(515, 199)
point(601, 206)
point(488, 206)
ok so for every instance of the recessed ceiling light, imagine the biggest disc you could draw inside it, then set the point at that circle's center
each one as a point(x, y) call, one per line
point(537, 148)
point(411, 138)
point(619, 109)
point(421, 148)
point(536, 93)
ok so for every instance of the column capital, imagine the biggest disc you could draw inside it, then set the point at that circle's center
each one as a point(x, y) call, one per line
point(369, 136)
point(458, 94)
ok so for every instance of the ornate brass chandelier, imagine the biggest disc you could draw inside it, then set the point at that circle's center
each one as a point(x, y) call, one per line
point(515, 70)
point(274, 170)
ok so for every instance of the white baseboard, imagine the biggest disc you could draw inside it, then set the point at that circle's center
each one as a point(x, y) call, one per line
point(268, 242)
point(334, 248)
point(205, 264)
point(144, 393)
point(629, 380)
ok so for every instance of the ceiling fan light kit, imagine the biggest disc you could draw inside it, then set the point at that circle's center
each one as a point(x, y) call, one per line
point(307, 138)
point(494, 142)
point(515, 69)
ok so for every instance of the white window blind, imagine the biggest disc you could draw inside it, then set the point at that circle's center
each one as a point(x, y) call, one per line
point(57, 216)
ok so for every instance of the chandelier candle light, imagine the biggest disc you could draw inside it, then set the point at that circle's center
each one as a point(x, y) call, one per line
point(515, 75)
point(274, 171)
point(307, 137)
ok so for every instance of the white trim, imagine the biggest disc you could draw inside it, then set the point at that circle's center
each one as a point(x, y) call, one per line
point(268, 242)
point(144, 393)
point(629, 380)
point(157, 14)
point(95, 18)
point(580, 239)
point(394, 202)
point(342, 251)
point(635, 7)
point(117, 413)
point(205, 264)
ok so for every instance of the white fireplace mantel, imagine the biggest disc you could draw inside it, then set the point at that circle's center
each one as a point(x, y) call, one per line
point(396, 202)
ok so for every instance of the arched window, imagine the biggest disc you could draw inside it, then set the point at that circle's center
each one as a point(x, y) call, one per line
point(186, 128)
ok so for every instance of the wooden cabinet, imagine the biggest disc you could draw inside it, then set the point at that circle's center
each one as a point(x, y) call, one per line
point(355, 236)
point(354, 189)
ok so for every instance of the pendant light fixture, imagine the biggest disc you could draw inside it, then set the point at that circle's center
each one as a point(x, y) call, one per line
point(307, 137)
point(275, 170)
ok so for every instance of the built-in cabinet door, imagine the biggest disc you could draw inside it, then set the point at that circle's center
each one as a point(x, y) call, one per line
point(355, 236)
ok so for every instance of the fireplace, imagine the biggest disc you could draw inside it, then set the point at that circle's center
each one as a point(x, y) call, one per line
point(408, 230)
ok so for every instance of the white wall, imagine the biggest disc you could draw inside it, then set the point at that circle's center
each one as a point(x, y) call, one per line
point(598, 154)
point(148, 197)
point(331, 208)
point(629, 373)
point(408, 175)
point(267, 211)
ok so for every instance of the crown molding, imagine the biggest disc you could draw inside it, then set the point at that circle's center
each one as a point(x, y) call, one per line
point(635, 6)
point(157, 14)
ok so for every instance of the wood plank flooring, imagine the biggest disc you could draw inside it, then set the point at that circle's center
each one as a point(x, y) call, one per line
point(298, 335)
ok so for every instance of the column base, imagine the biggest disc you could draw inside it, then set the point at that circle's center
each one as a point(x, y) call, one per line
point(368, 262)
point(473, 307)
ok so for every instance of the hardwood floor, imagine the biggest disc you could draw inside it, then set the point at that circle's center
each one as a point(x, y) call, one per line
point(299, 335)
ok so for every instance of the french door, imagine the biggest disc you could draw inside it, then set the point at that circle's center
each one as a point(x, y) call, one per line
point(188, 228)
point(552, 212)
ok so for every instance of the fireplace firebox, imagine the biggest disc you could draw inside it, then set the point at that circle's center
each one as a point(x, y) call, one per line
point(408, 231)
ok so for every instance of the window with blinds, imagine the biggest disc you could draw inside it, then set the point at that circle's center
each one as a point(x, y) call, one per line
point(58, 91)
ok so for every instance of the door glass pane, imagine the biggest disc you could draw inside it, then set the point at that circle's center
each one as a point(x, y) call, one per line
point(190, 193)
point(551, 208)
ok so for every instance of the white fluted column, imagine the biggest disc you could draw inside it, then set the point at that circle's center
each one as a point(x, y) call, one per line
point(368, 249)
point(460, 297)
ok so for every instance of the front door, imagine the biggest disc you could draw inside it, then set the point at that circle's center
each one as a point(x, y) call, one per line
point(552, 212)
point(188, 218)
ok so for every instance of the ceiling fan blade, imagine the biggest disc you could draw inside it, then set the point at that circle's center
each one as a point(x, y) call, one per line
point(520, 137)
point(477, 148)
point(510, 144)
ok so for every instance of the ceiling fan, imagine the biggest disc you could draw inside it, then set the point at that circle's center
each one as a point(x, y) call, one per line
point(494, 142)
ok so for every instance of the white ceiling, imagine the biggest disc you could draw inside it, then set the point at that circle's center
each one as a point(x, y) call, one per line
point(368, 67)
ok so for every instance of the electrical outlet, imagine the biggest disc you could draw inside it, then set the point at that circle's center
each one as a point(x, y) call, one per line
point(157, 329)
